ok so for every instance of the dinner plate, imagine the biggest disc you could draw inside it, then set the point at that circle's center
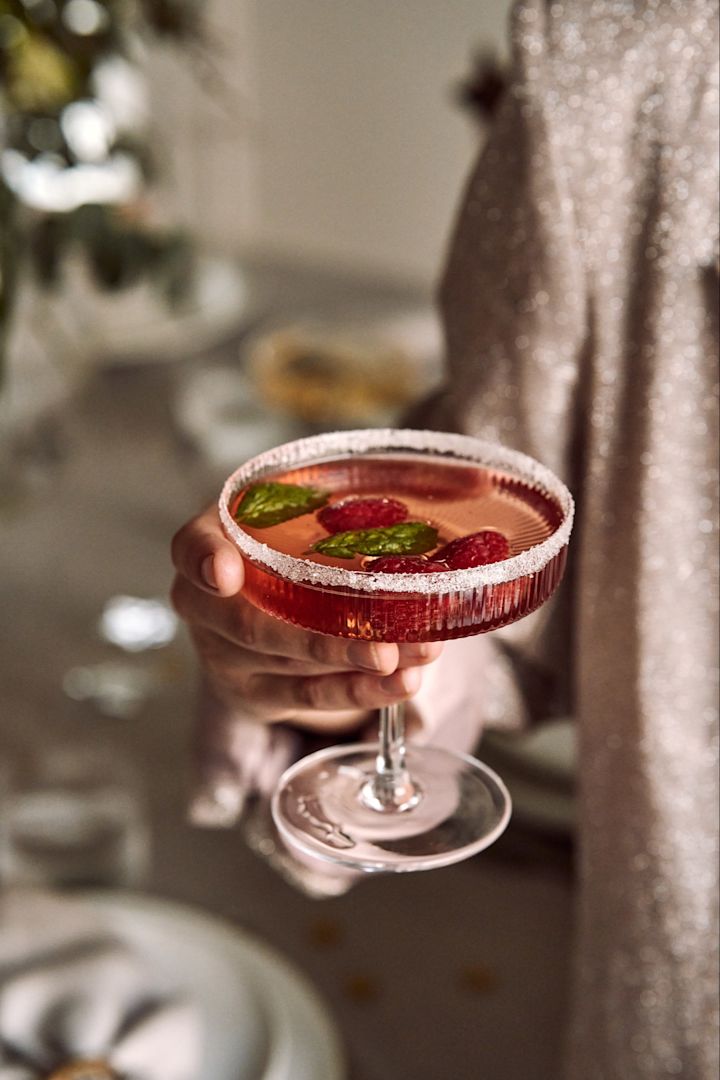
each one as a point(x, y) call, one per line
point(263, 1019)
point(346, 372)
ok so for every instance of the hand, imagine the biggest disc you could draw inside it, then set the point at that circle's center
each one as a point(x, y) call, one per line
point(272, 671)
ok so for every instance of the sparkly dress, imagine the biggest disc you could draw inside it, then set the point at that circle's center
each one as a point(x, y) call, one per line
point(580, 305)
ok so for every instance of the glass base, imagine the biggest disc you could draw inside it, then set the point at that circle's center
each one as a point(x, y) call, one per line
point(462, 807)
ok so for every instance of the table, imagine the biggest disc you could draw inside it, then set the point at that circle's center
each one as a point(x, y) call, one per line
point(459, 973)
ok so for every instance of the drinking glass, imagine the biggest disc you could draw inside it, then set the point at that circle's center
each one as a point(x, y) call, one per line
point(73, 816)
point(387, 806)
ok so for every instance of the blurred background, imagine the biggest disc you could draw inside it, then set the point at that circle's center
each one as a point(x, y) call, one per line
point(221, 226)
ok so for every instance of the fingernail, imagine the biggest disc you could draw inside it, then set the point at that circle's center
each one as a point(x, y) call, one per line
point(217, 806)
point(207, 571)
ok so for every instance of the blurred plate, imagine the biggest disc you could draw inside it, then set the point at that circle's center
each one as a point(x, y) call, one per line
point(215, 410)
point(264, 1020)
point(346, 373)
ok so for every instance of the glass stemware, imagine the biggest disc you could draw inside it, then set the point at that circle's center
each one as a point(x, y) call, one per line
point(391, 806)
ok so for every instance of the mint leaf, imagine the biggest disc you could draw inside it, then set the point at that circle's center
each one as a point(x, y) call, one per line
point(407, 538)
point(263, 505)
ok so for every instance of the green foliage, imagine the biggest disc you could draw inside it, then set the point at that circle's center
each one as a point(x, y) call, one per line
point(50, 51)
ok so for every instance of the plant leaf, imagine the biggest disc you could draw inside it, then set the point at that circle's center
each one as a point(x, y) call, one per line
point(407, 538)
point(268, 504)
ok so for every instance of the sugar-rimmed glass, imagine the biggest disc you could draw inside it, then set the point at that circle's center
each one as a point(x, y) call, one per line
point(385, 806)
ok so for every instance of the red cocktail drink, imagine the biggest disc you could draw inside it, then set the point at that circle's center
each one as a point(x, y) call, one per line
point(395, 536)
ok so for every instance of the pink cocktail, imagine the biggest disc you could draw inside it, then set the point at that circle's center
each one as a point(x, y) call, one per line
point(440, 501)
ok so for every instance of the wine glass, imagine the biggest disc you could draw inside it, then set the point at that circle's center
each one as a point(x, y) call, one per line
point(441, 502)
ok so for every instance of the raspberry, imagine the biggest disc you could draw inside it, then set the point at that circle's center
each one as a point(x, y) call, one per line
point(477, 549)
point(372, 513)
point(404, 564)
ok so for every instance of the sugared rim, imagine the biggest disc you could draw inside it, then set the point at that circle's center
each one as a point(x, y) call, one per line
point(365, 441)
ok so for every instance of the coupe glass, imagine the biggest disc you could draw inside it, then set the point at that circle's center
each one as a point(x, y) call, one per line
point(387, 806)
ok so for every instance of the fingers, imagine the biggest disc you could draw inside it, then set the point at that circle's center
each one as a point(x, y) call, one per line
point(298, 698)
point(204, 556)
point(278, 688)
point(419, 653)
point(233, 665)
point(228, 661)
point(240, 623)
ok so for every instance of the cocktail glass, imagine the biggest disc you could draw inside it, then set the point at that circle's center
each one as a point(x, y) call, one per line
point(387, 806)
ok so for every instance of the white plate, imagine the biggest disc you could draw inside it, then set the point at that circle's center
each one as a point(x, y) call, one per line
point(264, 1020)
point(370, 370)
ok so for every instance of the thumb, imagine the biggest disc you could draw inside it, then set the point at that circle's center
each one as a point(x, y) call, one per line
point(202, 553)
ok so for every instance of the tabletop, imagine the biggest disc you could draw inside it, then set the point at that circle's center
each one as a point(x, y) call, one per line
point(461, 972)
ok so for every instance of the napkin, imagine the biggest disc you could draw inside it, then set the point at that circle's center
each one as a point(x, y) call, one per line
point(239, 763)
point(71, 993)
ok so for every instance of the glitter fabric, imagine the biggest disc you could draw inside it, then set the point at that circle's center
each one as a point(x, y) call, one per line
point(580, 308)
